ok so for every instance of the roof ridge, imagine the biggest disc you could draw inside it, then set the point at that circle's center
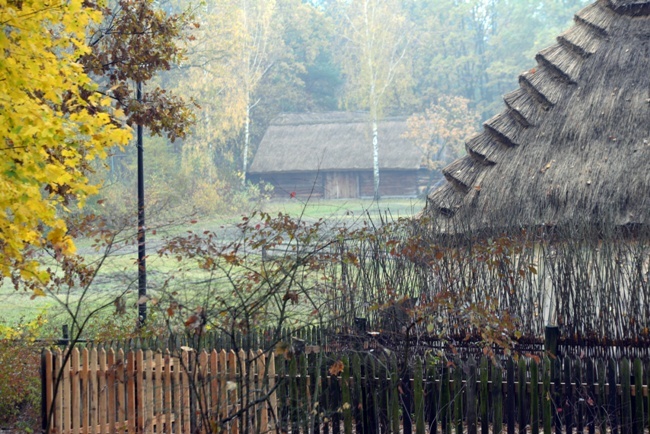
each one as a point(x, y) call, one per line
point(546, 81)
point(446, 199)
point(504, 128)
point(535, 94)
point(478, 157)
point(484, 147)
point(464, 172)
point(523, 106)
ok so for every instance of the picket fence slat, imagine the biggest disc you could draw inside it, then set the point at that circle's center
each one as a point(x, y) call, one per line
point(136, 391)
point(145, 391)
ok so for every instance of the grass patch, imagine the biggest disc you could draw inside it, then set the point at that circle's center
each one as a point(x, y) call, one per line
point(119, 272)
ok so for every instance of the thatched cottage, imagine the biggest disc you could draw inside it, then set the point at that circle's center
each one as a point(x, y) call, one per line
point(573, 142)
point(329, 155)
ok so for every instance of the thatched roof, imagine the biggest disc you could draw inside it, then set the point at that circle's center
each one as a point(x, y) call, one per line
point(573, 142)
point(332, 141)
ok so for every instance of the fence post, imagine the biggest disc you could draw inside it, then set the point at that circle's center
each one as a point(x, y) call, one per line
point(470, 393)
point(445, 400)
point(556, 378)
point(44, 385)
point(418, 396)
point(458, 395)
point(638, 396)
point(534, 396)
point(483, 396)
point(346, 397)
point(547, 408)
point(394, 396)
point(357, 399)
point(551, 337)
point(569, 397)
point(407, 400)
point(497, 397)
point(612, 405)
point(521, 396)
point(432, 397)
point(510, 395)
point(626, 401)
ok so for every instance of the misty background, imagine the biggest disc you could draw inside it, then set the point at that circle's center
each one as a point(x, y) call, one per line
point(444, 63)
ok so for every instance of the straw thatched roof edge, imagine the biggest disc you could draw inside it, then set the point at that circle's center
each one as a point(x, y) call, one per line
point(573, 140)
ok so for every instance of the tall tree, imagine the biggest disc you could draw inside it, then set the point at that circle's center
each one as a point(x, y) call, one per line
point(235, 47)
point(375, 43)
point(54, 124)
point(305, 76)
point(133, 42)
point(441, 131)
point(254, 58)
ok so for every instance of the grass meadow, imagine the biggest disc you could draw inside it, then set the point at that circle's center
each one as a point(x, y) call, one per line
point(119, 271)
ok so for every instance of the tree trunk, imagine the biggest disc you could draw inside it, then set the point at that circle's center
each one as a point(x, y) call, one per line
point(246, 143)
point(375, 156)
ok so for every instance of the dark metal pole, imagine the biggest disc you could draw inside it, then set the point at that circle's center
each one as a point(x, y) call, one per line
point(142, 259)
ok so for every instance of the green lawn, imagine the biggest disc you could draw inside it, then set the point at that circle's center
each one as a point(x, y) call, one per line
point(120, 271)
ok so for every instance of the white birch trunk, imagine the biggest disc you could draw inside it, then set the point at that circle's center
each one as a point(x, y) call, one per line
point(375, 156)
point(208, 128)
point(246, 143)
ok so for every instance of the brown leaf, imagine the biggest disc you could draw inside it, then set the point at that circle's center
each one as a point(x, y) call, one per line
point(336, 368)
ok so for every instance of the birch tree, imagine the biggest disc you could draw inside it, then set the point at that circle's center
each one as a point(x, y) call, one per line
point(376, 39)
point(235, 47)
point(208, 76)
point(255, 59)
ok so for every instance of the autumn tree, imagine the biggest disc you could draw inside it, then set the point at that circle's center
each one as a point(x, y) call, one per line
point(133, 42)
point(234, 48)
point(375, 43)
point(55, 123)
point(255, 59)
point(441, 131)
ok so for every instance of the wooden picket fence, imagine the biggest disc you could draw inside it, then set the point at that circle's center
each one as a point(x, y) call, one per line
point(320, 392)
point(145, 391)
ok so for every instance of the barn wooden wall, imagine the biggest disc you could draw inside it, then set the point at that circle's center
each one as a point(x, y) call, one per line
point(339, 185)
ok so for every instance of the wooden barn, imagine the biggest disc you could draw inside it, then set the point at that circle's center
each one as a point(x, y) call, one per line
point(329, 155)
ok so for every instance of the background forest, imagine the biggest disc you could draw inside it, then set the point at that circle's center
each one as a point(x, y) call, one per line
point(446, 63)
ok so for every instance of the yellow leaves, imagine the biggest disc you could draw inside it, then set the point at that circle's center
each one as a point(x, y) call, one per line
point(59, 238)
point(52, 127)
point(37, 293)
point(441, 131)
